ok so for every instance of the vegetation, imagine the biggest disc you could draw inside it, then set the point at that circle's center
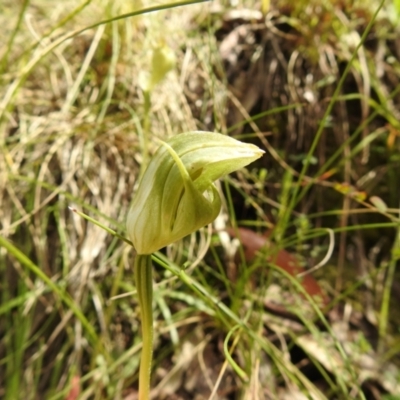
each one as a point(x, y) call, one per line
point(292, 292)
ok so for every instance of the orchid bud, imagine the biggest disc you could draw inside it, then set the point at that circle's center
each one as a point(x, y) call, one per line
point(176, 195)
point(163, 60)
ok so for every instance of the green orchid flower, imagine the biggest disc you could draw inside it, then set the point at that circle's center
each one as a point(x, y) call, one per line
point(176, 195)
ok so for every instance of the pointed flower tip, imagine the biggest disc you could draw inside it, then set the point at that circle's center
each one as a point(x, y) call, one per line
point(176, 195)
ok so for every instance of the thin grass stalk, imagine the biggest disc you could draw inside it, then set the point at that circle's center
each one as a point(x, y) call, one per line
point(386, 295)
point(298, 192)
point(144, 285)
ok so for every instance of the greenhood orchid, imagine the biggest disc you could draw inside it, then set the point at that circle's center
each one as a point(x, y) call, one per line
point(176, 195)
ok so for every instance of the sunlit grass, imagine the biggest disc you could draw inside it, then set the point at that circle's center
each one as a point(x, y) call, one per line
point(74, 125)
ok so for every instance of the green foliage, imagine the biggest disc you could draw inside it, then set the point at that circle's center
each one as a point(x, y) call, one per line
point(77, 129)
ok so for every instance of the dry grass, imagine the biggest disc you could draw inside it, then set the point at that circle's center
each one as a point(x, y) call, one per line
point(73, 131)
point(72, 127)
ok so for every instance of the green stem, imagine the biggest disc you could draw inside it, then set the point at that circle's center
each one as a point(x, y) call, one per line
point(144, 286)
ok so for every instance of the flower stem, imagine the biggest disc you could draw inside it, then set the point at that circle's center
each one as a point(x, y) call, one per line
point(144, 285)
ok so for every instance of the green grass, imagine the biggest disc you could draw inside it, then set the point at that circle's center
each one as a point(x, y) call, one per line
point(75, 127)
